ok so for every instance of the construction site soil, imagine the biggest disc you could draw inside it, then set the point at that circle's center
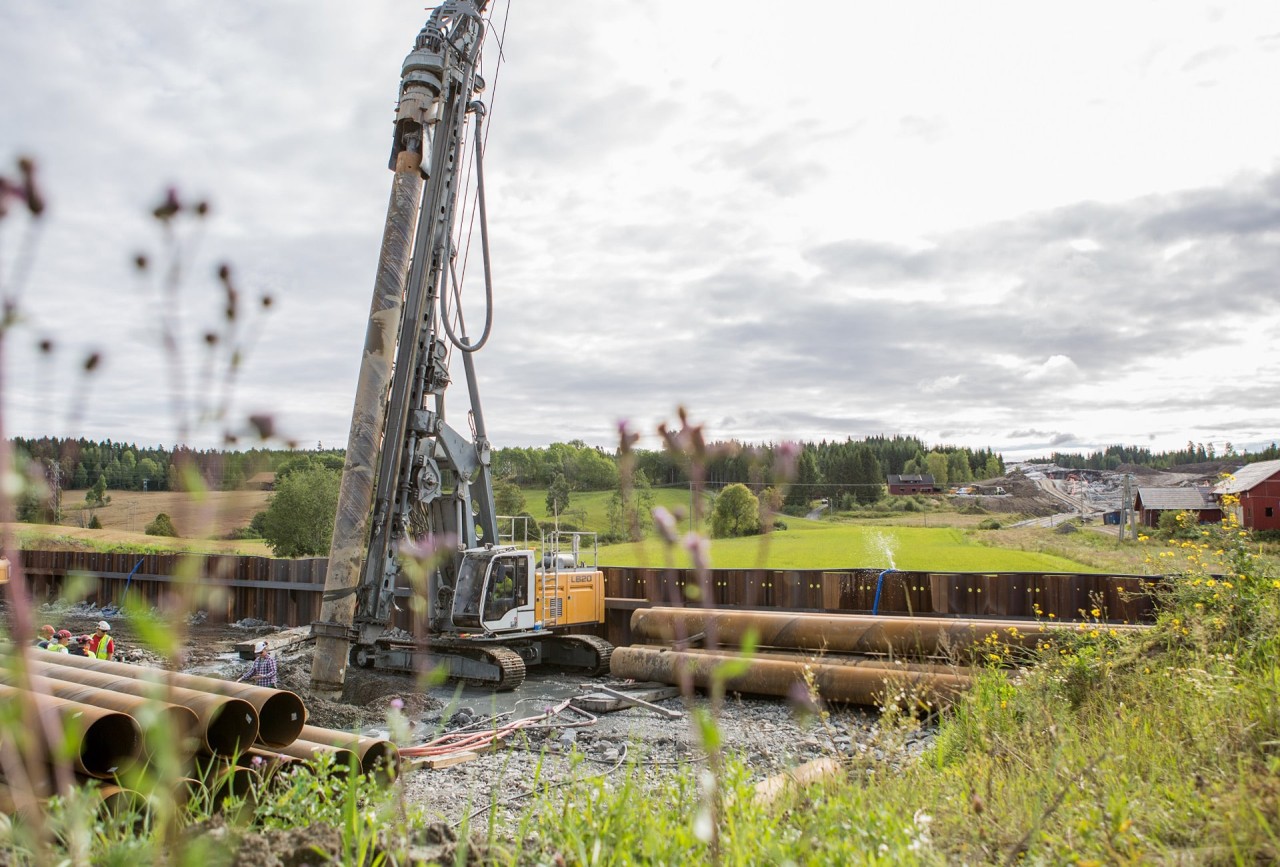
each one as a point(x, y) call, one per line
point(565, 749)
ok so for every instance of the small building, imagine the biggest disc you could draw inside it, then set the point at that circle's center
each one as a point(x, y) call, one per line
point(1150, 503)
point(912, 484)
point(1258, 488)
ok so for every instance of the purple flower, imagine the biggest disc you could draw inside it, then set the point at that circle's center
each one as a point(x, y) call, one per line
point(666, 523)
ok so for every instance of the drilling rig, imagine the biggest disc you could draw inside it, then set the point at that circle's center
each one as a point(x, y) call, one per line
point(416, 528)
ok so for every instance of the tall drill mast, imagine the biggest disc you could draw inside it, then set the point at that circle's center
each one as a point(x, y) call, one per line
point(403, 460)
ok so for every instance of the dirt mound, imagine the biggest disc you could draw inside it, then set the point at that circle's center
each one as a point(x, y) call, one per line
point(1022, 497)
point(367, 697)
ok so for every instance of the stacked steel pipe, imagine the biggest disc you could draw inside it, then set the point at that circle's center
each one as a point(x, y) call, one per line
point(100, 703)
point(853, 658)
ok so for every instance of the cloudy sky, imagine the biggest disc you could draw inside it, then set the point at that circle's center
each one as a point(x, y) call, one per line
point(1028, 226)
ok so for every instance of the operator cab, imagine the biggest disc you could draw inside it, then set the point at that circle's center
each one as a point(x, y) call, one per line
point(494, 590)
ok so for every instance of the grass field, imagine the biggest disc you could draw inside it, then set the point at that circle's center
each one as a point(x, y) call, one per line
point(212, 515)
point(820, 545)
point(939, 541)
point(590, 509)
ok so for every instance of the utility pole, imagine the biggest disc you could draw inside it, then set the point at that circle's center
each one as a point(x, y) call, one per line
point(1133, 514)
point(1125, 507)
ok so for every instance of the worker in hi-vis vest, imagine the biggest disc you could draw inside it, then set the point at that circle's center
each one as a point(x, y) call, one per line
point(100, 643)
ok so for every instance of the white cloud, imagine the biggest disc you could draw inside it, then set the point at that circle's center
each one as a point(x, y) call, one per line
point(1014, 212)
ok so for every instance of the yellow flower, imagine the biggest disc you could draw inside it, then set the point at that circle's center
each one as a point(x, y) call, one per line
point(1211, 582)
point(1095, 612)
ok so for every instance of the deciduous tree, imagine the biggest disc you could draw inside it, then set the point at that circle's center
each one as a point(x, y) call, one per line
point(736, 513)
point(162, 525)
point(299, 519)
point(558, 495)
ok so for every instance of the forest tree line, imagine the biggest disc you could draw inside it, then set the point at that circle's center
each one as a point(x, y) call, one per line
point(1113, 457)
point(853, 468)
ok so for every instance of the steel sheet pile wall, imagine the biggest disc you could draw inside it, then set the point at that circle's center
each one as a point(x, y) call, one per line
point(287, 592)
point(282, 592)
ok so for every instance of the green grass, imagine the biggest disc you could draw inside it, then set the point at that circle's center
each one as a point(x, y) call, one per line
point(821, 545)
point(589, 510)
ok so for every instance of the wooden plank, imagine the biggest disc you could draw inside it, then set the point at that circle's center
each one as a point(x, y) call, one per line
point(599, 702)
point(437, 762)
point(275, 641)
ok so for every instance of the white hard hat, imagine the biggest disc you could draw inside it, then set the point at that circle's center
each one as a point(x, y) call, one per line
point(259, 647)
point(104, 626)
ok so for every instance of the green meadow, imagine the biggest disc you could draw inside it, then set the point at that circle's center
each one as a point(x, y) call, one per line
point(831, 543)
point(822, 545)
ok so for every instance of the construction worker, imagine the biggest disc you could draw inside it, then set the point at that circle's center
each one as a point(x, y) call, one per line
point(62, 645)
point(47, 634)
point(263, 671)
point(101, 644)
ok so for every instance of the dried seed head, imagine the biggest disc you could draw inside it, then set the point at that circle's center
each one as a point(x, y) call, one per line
point(140, 261)
point(264, 424)
point(267, 301)
point(46, 346)
point(92, 361)
point(202, 209)
point(31, 190)
point(169, 207)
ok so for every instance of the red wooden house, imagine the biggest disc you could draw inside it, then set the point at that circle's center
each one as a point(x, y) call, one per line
point(1150, 503)
point(1258, 487)
point(912, 484)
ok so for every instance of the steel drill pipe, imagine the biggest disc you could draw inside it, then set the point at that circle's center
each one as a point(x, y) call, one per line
point(182, 721)
point(310, 751)
point(807, 657)
point(846, 633)
point(113, 800)
point(267, 763)
point(222, 780)
point(377, 755)
point(224, 724)
point(281, 714)
point(106, 740)
point(782, 677)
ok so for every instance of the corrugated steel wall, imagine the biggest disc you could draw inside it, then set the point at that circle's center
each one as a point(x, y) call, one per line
point(287, 592)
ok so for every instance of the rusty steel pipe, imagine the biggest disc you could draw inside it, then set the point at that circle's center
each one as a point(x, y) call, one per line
point(107, 739)
point(224, 724)
point(767, 675)
point(183, 722)
point(844, 633)
point(377, 755)
point(805, 657)
point(267, 763)
point(281, 714)
point(221, 779)
point(114, 800)
point(310, 751)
